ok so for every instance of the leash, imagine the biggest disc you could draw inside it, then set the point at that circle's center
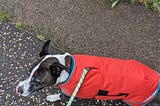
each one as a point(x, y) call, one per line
point(85, 71)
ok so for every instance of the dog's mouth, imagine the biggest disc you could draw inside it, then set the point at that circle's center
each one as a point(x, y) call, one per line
point(17, 90)
point(20, 91)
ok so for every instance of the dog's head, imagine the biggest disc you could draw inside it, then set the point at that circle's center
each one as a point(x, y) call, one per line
point(43, 74)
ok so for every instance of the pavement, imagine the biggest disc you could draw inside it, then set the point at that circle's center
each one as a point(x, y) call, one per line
point(77, 26)
point(91, 26)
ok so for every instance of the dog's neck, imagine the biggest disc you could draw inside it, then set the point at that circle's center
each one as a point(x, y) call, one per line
point(63, 76)
point(64, 60)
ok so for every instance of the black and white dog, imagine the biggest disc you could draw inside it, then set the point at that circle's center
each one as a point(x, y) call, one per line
point(51, 70)
point(110, 79)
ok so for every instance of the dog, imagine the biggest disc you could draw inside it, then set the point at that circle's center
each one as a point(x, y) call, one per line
point(108, 78)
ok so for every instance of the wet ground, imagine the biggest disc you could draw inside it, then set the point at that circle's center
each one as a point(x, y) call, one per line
point(18, 50)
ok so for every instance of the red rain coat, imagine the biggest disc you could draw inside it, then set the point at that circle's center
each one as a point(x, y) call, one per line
point(129, 80)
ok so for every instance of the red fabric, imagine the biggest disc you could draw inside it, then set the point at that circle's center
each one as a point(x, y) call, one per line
point(113, 75)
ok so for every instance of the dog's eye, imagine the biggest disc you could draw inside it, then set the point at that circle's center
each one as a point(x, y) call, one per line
point(38, 80)
point(35, 80)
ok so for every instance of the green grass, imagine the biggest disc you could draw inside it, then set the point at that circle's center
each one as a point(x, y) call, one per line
point(151, 4)
point(41, 37)
point(4, 16)
point(20, 26)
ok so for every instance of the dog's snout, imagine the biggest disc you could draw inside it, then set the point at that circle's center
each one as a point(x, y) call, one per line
point(19, 90)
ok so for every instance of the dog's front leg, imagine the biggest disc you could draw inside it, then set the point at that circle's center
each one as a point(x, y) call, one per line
point(53, 98)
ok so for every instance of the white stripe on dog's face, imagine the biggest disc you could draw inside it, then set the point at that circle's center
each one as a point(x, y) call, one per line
point(25, 85)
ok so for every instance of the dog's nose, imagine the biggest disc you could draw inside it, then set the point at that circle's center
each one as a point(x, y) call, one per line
point(20, 90)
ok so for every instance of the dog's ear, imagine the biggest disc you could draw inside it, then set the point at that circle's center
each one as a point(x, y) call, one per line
point(57, 68)
point(68, 61)
point(45, 49)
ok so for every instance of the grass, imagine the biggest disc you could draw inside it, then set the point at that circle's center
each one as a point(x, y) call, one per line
point(20, 26)
point(4, 16)
point(41, 37)
point(151, 4)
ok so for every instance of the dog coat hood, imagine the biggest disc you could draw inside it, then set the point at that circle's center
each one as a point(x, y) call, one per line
point(112, 79)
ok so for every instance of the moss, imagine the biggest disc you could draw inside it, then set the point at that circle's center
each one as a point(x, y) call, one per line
point(4, 16)
point(20, 26)
point(41, 37)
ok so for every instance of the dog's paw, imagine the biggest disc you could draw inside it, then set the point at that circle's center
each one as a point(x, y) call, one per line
point(53, 98)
